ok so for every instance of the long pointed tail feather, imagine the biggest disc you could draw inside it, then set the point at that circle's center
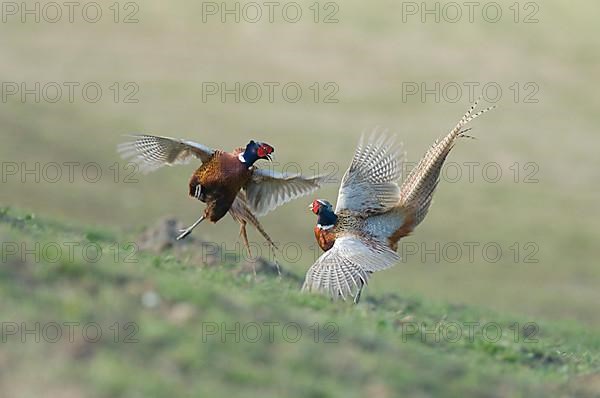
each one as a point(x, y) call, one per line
point(417, 190)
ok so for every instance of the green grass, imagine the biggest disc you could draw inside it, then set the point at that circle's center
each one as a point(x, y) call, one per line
point(166, 307)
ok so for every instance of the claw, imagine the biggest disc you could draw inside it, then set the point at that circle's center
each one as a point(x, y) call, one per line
point(183, 233)
point(187, 231)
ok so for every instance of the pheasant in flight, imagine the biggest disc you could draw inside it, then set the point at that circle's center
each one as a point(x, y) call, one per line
point(226, 182)
point(373, 211)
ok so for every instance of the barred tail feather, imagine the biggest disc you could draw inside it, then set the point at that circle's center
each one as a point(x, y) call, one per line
point(417, 190)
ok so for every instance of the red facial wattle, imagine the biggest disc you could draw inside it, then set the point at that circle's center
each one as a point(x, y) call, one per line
point(315, 206)
point(264, 151)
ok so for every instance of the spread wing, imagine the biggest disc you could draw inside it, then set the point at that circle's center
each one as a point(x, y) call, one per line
point(151, 152)
point(269, 189)
point(417, 190)
point(369, 185)
point(344, 269)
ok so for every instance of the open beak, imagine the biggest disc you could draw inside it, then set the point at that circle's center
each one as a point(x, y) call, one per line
point(269, 158)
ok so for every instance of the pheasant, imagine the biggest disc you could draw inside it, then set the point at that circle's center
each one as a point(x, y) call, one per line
point(226, 181)
point(374, 212)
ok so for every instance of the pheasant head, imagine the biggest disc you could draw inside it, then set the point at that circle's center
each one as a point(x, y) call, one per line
point(325, 213)
point(256, 150)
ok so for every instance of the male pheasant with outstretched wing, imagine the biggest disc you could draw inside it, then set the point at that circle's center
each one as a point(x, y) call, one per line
point(225, 181)
point(374, 212)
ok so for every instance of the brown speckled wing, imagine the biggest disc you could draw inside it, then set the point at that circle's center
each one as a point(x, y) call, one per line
point(269, 189)
point(151, 152)
point(369, 185)
point(342, 271)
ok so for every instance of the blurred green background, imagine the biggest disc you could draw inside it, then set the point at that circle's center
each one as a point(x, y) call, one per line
point(369, 54)
point(549, 211)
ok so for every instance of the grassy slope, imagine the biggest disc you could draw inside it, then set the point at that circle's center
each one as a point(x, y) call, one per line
point(369, 358)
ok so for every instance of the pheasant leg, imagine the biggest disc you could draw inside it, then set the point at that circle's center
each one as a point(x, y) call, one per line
point(244, 236)
point(188, 230)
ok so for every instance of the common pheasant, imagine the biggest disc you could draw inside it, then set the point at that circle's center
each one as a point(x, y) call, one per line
point(226, 182)
point(374, 212)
